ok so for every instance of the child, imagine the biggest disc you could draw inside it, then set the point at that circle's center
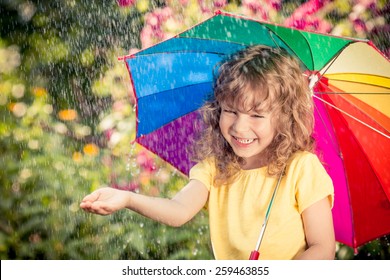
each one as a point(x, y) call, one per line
point(258, 127)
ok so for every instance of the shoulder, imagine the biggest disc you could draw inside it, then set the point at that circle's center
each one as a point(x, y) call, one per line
point(310, 180)
point(305, 160)
point(304, 166)
point(300, 157)
point(204, 172)
point(208, 163)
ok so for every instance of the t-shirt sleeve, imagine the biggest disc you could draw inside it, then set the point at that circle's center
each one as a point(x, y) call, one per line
point(313, 183)
point(203, 172)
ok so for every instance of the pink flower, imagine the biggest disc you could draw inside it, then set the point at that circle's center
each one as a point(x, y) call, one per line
point(129, 186)
point(146, 36)
point(310, 24)
point(276, 4)
point(367, 3)
point(203, 7)
point(118, 106)
point(108, 133)
point(253, 5)
point(308, 8)
point(126, 3)
point(153, 29)
point(146, 162)
point(166, 13)
point(220, 3)
point(183, 2)
point(255, 9)
point(304, 17)
point(359, 25)
point(296, 23)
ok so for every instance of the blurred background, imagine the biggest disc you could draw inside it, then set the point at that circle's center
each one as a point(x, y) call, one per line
point(67, 120)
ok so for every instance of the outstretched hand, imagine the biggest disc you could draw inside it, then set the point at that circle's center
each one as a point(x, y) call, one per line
point(105, 201)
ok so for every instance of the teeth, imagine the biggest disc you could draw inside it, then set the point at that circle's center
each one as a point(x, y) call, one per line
point(245, 141)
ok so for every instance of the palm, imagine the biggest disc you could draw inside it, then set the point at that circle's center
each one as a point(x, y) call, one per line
point(104, 201)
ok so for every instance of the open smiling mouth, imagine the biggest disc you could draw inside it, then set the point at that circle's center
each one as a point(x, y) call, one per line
point(244, 141)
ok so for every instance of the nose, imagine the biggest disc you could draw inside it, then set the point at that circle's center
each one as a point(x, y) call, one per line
point(240, 124)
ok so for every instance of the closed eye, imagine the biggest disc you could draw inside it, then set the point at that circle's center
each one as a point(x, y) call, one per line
point(229, 111)
point(257, 116)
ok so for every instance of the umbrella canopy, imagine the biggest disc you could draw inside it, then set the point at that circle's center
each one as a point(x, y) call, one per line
point(351, 83)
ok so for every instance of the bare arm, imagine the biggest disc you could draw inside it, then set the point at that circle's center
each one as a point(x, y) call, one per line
point(174, 212)
point(319, 232)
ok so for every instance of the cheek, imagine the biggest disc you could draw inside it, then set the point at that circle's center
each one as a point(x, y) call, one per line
point(224, 125)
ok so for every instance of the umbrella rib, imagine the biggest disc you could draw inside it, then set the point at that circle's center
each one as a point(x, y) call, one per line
point(366, 92)
point(322, 73)
point(311, 52)
point(272, 33)
point(179, 51)
point(356, 119)
point(191, 50)
point(349, 92)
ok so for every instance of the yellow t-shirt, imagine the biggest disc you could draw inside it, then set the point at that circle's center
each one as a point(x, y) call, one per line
point(237, 211)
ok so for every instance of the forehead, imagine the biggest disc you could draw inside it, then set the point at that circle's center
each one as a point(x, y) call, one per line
point(248, 99)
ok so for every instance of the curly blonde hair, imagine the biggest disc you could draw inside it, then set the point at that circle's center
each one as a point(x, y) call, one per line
point(254, 77)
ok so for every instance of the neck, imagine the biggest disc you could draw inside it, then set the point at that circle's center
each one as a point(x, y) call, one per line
point(255, 162)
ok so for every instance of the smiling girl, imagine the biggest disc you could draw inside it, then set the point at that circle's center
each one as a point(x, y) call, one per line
point(258, 129)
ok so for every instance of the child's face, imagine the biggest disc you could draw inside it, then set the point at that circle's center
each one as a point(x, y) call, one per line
point(249, 133)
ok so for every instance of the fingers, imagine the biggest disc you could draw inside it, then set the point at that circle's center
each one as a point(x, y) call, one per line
point(85, 205)
point(94, 208)
point(91, 197)
point(101, 202)
point(88, 203)
point(91, 204)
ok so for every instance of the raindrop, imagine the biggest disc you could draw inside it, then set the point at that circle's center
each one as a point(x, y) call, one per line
point(129, 160)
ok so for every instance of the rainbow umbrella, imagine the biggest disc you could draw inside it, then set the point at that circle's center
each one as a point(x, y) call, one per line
point(350, 79)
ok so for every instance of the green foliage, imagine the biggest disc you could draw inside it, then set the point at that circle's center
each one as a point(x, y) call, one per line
point(62, 93)
point(42, 185)
point(378, 249)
